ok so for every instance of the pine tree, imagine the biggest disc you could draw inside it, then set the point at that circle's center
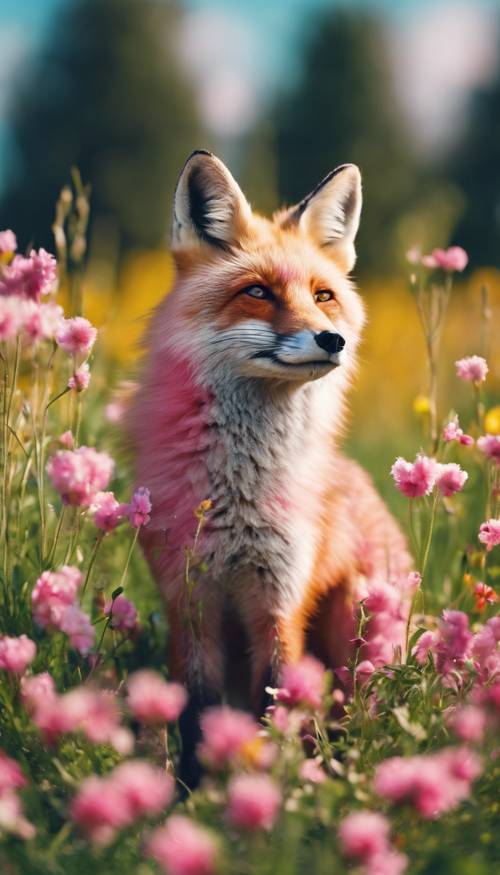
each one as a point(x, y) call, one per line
point(342, 109)
point(105, 95)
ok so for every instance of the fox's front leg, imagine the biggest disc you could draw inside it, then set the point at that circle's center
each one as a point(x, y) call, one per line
point(196, 659)
point(275, 641)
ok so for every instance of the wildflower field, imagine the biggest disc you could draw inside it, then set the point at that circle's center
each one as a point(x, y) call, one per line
point(391, 766)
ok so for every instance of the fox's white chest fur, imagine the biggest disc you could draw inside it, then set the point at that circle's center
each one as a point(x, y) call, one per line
point(266, 468)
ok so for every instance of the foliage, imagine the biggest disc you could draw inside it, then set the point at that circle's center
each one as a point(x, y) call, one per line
point(277, 796)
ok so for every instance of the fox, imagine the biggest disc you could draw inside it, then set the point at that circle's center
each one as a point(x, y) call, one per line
point(240, 408)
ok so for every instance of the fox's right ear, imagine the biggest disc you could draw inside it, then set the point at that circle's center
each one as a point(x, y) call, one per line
point(209, 206)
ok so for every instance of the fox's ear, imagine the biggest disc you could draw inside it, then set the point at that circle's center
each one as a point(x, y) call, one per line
point(209, 205)
point(330, 214)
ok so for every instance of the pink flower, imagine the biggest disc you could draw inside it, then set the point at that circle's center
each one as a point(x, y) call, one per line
point(80, 379)
point(414, 255)
point(36, 690)
point(181, 847)
point(468, 723)
point(433, 783)
point(11, 776)
point(10, 317)
point(489, 533)
point(139, 508)
point(40, 321)
point(414, 479)
point(107, 511)
point(79, 629)
point(100, 809)
point(83, 709)
point(390, 862)
point(123, 613)
point(225, 734)
point(364, 669)
point(450, 478)
point(30, 277)
point(67, 440)
point(79, 474)
point(303, 683)
point(453, 259)
point(55, 591)
point(427, 643)
point(153, 700)
point(12, 819)
point(16, 654)
point(364, 834)
point(253, 802)
point(77, 336)
point(472, 369)
point(146, 790)
point(414, 580)
point(489, 444)
point(280, 717)
point(453, 432)
point(310, 770)
point(8, 242)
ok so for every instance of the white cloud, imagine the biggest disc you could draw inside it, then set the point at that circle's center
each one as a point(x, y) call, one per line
point(442, 52)
point(220, 50)
point(14, 48)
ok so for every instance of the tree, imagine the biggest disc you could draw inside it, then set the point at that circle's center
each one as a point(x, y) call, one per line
point(106, 95)
point(476, 170)
point(341, 110)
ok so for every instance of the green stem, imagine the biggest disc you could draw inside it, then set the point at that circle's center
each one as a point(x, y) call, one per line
point(429, 534)
point(127, 563)
point(93, 557)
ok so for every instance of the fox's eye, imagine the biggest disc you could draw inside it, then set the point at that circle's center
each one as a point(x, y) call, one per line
point(257, 292)
point(323, 296)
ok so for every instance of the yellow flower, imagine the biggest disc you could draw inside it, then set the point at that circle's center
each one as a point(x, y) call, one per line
point(421, 405)
point(492, 420)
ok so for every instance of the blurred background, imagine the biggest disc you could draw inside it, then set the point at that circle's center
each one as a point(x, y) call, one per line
point(282, 91)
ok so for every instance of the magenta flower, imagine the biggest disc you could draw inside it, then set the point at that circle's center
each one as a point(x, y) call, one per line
point(414, 479)
point(100, 809)
point(123, 614)
point(489, 533)
point(152, 699)
point(107, 511)
point(489, 444)
point(182, 847)
point(36, 690)
point(79, 629)
point(77, 336)
point(364, 834)
point(8, 242)
point(139, 508)
point(67, 440)
point(453, 432)
point(468, 723)
point(450, 644)
point(453, 259)
point(83, 709)
point(11, 776)
point(80, 379)
point(225, 733)
point(472, 369)
point(303, 683)
point(79, 474)
point(30, 277)
point(146, 790)
point(450, 478)
point(253, 802)
point(53, 593)
point(433, 783)
point(12, 818)
point(16, 654)
point(310, 770)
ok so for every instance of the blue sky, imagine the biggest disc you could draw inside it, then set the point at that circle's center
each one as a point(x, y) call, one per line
point(238, 50)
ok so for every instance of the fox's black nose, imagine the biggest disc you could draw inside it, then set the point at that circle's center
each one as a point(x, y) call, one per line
point(330, 341)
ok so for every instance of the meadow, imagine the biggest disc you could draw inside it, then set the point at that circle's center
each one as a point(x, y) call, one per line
point(389, 767)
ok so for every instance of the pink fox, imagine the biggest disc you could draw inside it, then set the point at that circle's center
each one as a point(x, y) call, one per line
point(241, 401)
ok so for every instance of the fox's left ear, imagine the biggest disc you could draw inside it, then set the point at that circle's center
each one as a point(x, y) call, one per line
point(209, 206)
point(330, 214)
